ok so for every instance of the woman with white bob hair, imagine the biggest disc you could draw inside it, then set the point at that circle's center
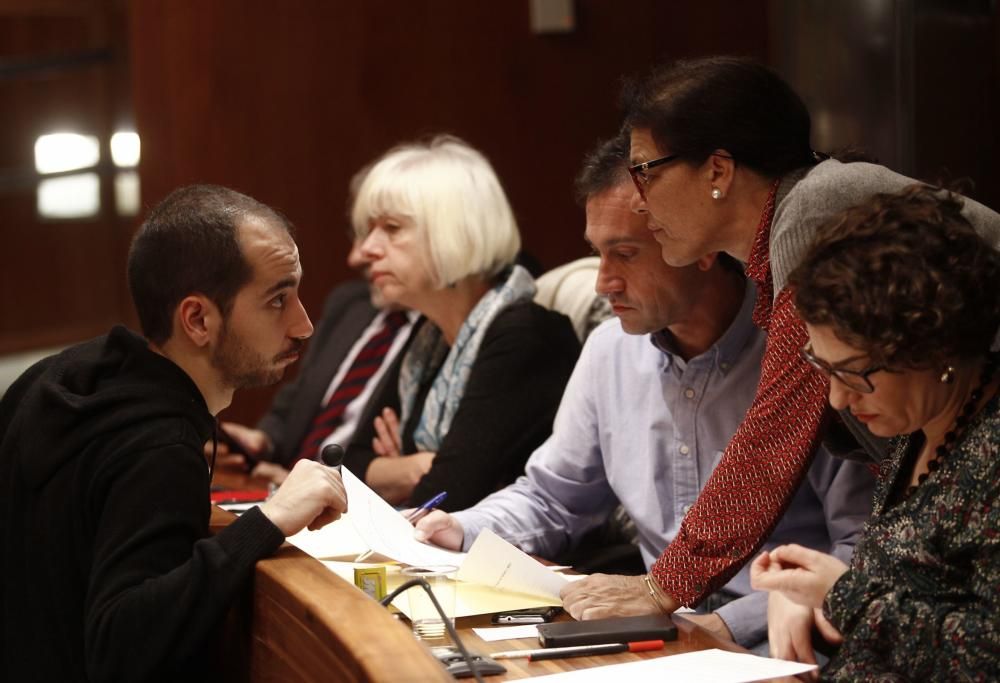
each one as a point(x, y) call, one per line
point(484, 371)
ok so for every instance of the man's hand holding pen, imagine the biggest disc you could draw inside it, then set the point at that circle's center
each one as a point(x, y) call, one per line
point(440, 528)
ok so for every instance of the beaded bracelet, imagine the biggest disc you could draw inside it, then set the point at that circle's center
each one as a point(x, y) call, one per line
point(654, 595)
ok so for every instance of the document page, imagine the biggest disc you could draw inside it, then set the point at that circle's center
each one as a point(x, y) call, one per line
point(706, 666)
point(494, 562)
point(371, 524)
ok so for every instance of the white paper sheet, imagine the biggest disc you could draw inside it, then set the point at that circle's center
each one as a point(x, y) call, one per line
point(386, 531)
point(371, 524)
point(238, 508)
point(706, 666)
point(494, 562)
point(337, 540)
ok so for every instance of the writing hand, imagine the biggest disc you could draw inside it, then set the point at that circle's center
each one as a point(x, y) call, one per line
point(440, 528)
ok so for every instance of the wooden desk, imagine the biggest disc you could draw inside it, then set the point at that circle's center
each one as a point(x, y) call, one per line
point(301, 622)
point(689, 639)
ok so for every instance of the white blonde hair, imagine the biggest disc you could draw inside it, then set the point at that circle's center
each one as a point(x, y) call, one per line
point(454, 198)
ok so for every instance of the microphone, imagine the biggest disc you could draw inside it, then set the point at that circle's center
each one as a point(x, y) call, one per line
point(485, 665)
point(332, 455)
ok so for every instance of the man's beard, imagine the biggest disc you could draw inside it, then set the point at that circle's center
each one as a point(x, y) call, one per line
point(241, 366)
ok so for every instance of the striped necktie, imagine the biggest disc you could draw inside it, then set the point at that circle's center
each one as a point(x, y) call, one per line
point(365, 365)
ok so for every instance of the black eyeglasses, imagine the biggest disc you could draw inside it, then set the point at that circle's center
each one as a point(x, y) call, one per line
point(856, 380)
point(640, 172)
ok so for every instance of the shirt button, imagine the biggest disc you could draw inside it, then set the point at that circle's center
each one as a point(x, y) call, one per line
point(684, 449)
point(689, 393)
point(725, 366)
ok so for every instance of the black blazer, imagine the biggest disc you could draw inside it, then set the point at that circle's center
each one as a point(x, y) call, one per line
point(510, 401)
point(346, 314)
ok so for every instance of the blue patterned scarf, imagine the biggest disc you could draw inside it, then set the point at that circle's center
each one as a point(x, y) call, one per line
point(428, 347)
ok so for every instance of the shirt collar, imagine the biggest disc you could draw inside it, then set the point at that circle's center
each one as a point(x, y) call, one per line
point(727, 349)
point(412, 315)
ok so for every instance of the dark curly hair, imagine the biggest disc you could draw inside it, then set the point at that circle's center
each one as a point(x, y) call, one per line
point(904, 278)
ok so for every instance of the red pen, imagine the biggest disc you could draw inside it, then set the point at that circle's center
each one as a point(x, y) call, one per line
point(580, 650)
point(227, 496)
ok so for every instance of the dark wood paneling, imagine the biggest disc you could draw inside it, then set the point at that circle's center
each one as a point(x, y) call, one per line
point(62, 68)
point(957, 99)
point(286, 101)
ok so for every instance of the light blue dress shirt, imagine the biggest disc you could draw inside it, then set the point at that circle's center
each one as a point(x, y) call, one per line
point(638, 424)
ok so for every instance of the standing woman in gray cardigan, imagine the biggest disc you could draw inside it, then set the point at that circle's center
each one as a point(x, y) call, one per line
point(721, 160)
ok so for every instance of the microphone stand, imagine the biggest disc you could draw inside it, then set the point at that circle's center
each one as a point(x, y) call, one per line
point(447, 622)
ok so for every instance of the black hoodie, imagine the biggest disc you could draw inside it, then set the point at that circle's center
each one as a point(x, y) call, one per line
point(107, 571)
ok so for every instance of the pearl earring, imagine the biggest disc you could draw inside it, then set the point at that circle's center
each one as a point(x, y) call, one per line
point(948, 376)
point(716, 193)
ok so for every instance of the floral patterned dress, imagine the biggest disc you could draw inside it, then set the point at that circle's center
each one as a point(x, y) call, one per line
point(922, 597)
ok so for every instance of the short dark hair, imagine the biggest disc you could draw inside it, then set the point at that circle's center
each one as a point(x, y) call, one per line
point(604, 167)
point(695, 107)
point(189, 244)
point(904, 278)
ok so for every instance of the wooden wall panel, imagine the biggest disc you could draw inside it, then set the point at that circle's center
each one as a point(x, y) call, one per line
point(285, 101)
point(61, 69)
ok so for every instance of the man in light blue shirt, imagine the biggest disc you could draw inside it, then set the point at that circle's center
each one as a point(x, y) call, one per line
point(655, 397)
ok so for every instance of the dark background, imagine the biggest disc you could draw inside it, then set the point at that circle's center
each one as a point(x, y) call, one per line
point(286, 100)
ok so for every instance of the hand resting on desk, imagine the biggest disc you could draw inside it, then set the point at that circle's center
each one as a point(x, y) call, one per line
point(607, 595)
point(593, 597)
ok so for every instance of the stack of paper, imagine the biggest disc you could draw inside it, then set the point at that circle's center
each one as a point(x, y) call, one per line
point(494, 576)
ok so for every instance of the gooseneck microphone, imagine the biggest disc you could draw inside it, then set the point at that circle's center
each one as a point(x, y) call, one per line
point(448, 624)
point(332, 455)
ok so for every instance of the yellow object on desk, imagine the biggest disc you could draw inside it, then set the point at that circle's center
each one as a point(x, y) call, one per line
point(371, 580)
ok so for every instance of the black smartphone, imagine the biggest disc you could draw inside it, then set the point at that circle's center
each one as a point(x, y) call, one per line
point(231, 442)
point(532, 615)
point(238, 448)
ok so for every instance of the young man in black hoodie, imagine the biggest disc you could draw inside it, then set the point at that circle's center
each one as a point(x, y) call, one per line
point(107, 569)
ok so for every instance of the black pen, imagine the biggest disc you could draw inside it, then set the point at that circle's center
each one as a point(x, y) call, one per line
point(579, 650)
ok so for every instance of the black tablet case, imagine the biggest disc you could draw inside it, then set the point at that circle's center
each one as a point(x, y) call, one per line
point(614, 630)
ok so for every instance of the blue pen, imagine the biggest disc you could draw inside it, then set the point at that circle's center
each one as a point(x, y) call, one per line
point(426, 507)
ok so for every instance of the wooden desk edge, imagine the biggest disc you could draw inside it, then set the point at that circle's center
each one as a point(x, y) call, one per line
point(308, 624)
